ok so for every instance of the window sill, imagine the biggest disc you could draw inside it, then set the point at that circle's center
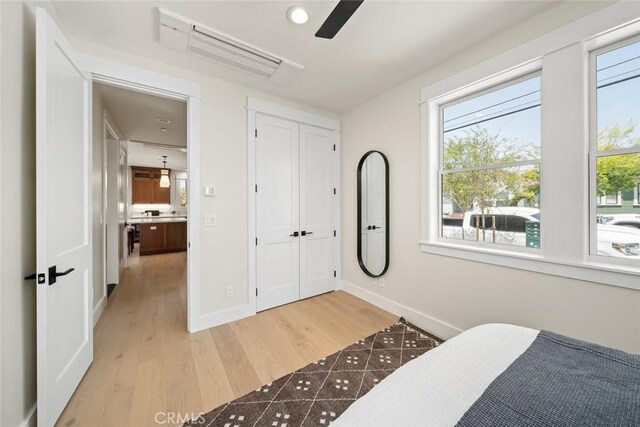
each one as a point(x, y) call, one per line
point(590, 271)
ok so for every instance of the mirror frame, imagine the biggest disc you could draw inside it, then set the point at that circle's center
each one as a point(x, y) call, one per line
point(359, 210)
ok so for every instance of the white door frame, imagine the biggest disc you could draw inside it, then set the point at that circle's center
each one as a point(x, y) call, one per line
point(255, 106)
point(108, 126)
point(139, 80)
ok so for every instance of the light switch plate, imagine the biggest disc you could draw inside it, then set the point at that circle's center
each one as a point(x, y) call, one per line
point(209, 191)
point(209, 220)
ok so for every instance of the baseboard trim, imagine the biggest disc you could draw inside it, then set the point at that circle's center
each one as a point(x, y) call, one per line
point(30, 419)
point(97, 311)
point(218, 318)
point(437, 327)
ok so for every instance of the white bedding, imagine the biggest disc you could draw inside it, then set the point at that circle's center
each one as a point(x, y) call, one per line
point(437, 388)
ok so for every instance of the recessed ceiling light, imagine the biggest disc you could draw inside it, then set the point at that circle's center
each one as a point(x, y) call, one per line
point(163, 129)
point(297, 15)
point(163, 120)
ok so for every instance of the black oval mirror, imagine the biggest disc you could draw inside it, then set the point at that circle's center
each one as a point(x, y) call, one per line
point(373, 213)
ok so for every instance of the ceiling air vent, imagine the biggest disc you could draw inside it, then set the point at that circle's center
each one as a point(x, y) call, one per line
point(180, 33)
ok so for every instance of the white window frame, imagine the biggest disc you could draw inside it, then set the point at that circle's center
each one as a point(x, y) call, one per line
point(600, 199)
point(565, 168)
point(595, 47)
point(515, 76)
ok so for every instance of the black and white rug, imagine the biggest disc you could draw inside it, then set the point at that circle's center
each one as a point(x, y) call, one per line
point(318, 393)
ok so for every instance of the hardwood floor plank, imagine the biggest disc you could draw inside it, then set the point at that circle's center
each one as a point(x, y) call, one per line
point(239, 369)
point(145, 361)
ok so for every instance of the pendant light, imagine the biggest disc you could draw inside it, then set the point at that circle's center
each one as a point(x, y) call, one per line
point(164, 174)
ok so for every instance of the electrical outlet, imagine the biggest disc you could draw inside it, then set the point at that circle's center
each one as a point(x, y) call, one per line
point(229, 291)
point(209, 220)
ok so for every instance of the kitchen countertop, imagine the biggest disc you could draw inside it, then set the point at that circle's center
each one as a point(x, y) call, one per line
point(157, 219)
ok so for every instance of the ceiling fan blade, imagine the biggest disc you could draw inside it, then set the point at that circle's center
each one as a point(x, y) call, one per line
point(338, 17)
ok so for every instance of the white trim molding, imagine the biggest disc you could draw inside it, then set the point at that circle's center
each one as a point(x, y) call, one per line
point(145, 81)
point(210, 320)
point(265, 107)
point(30, 420)
point(567, 228)
point(256, 106)
point(99, 308)
point(430, 324)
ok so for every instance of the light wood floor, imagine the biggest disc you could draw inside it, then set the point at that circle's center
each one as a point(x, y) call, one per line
point(146, 362)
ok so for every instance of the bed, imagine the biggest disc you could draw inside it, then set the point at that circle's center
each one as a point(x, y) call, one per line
point(504, 375)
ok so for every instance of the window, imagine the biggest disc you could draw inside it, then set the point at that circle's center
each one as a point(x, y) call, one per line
point(522, 132)
point(616, 148)
point(609, 199)
point(490, 163)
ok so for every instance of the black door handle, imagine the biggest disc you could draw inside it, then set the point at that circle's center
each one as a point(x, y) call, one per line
point(368, 227)
point(306, 233)
point(295, 234)
point(53, 274)
point(373, 227)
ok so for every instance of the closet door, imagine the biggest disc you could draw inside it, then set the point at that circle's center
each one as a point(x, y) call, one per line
point(277, 211)
point(317, 202)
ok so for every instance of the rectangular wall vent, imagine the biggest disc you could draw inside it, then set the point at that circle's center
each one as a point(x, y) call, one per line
point(180, 33)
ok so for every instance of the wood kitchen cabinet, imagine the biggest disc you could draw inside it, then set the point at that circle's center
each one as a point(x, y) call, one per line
point(145, 187)
point(163, 237)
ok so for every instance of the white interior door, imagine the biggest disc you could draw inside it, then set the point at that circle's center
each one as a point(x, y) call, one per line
point(317, 201)
point(63, 195)
point(277, 212)
point(374, 227)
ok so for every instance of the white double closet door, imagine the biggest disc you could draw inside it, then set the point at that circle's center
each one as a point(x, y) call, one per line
point(295, 211)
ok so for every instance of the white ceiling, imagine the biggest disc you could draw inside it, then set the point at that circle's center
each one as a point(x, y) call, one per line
point(141, 155)
point(384, 43)
point(137, 114)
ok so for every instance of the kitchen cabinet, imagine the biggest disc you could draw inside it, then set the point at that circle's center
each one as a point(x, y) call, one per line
point(145, 187)
point(163, 237)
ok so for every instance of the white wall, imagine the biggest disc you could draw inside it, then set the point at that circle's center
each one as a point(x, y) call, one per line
point(223, 164)
point(443, 293)
point(17, 210)
point(99, 294)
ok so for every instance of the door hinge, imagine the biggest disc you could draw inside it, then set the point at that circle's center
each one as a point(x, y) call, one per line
point(334, 191)
point(256, 188)
point(334, 147)
point(256, 241)
point(335, 274)
point(334, 233)
point(256, 291)
point(256, 133)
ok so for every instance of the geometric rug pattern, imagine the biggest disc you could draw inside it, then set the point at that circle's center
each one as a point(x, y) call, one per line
point(321, 391)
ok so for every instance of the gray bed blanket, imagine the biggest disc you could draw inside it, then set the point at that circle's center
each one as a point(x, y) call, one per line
point(559, 381)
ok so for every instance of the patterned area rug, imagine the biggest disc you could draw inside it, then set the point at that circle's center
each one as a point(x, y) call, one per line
point(318, 393)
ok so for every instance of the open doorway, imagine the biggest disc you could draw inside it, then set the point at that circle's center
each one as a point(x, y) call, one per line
point(142, 202)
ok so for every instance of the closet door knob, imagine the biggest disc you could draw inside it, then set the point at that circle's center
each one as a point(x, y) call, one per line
point(306, 233)
point(295, 234)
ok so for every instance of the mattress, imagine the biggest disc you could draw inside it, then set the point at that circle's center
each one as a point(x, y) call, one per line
point(504, 375)
point(437, 388)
